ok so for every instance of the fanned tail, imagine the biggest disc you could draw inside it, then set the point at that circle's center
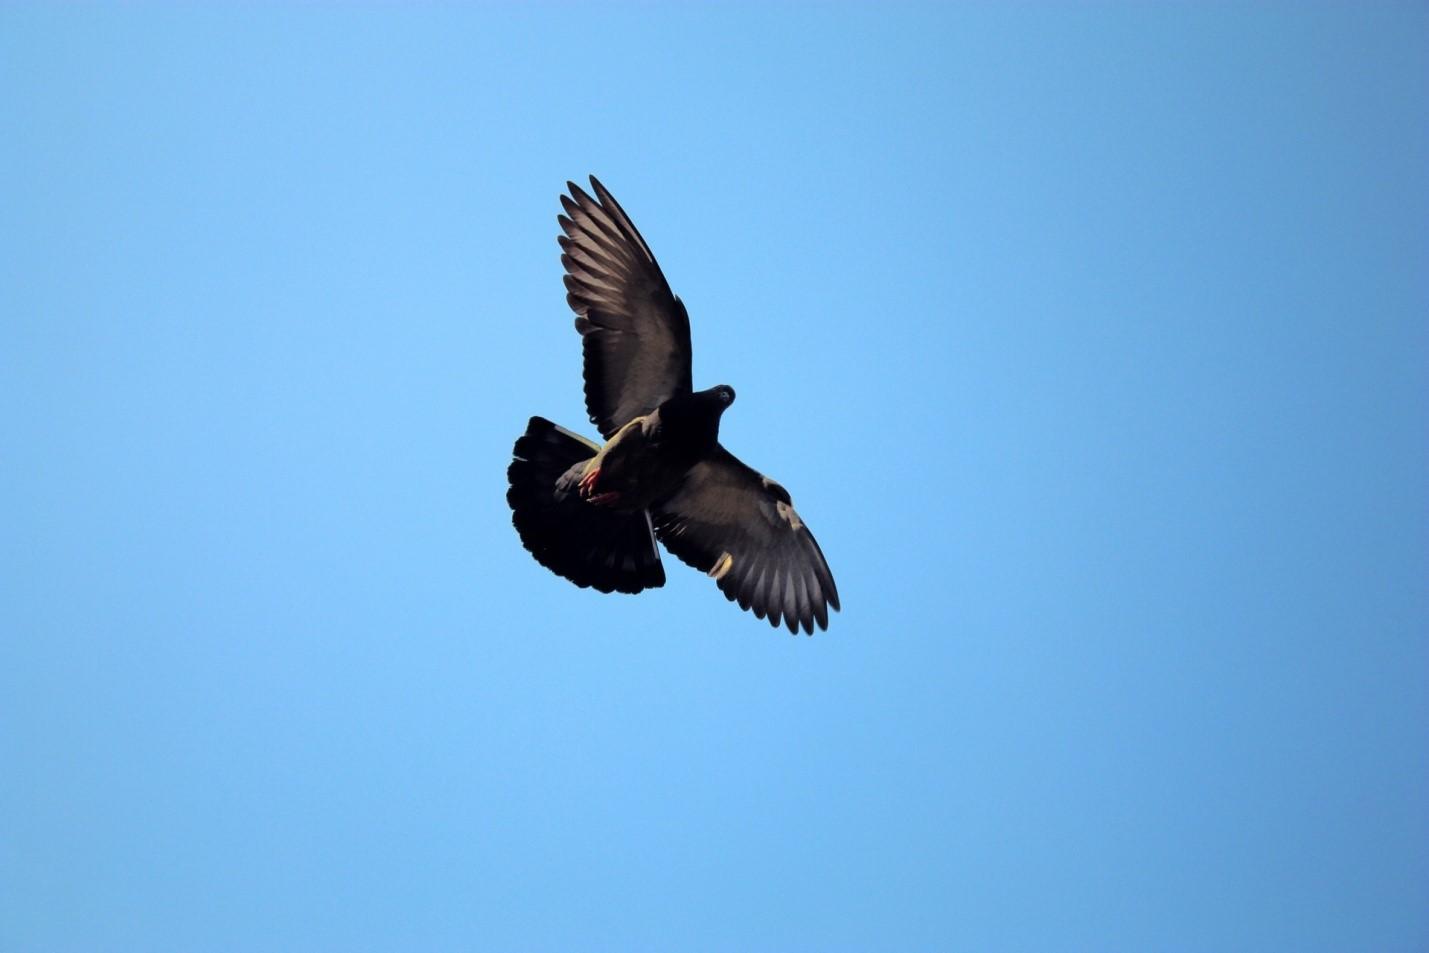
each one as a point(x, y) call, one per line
point(590, 545)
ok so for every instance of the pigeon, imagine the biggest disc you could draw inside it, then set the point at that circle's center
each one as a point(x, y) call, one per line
point(591, 512)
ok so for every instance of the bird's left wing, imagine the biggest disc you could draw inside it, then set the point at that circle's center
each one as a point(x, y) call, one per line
point(739, 526)
point(636, 333)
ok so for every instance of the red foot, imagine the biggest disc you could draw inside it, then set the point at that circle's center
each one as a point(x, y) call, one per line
point(604, 499)
point(587, 484)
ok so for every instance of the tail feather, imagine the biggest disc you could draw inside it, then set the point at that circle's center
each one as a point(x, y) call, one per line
point(589, 545)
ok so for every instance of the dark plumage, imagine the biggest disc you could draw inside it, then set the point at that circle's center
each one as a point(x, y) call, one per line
point(591, 513)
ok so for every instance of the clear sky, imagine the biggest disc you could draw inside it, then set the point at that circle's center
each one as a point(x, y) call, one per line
point(1090, 340)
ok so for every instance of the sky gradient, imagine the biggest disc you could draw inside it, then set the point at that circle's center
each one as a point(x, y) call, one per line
point(1091, 341)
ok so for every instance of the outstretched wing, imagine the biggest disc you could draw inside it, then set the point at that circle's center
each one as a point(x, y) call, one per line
point(739, 526)
point(635, 332)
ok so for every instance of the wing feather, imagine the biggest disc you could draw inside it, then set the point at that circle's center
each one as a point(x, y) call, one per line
point(635, 332)
point(777, 569)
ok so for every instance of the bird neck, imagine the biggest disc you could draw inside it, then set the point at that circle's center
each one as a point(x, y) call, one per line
point(689, 426)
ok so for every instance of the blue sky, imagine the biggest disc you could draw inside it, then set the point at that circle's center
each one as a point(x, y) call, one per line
point(1090, 340)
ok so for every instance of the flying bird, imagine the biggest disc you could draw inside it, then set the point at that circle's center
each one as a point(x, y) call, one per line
point(592, 512)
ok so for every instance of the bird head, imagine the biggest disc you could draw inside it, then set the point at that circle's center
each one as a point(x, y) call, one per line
point(695, 417)
point(715, 401)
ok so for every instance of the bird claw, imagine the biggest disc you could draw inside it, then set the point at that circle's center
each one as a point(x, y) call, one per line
point(587, 490)
point(587, 483)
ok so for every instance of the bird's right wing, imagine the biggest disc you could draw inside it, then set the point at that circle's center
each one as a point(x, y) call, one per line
point(740, 527)
point(635, 332)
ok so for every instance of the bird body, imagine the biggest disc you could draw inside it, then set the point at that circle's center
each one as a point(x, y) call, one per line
point(592, 512)
point(648, 458)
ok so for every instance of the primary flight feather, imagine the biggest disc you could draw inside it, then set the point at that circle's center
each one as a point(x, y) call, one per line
point(591, 513)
